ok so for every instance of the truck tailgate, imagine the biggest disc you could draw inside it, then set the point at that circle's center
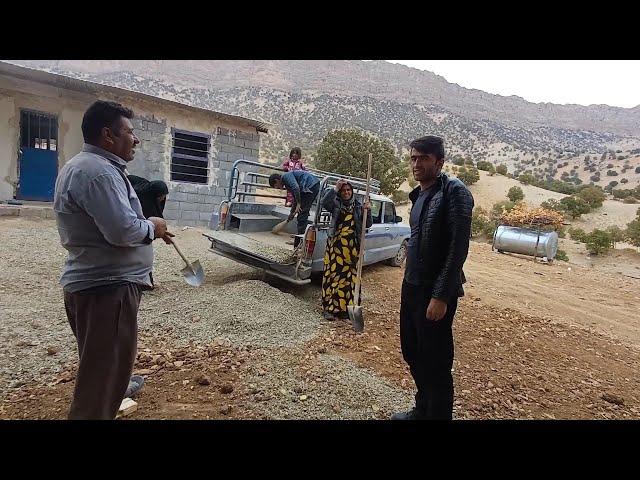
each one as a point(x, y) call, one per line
point(258, 253)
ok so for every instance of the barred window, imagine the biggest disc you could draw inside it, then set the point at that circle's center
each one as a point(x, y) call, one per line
point(190, 157)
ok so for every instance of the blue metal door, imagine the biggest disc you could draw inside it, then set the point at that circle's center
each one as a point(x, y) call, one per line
point(38, 160)
point(38, 172)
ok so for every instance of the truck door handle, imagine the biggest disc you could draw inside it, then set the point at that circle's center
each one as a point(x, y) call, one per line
point(387, 228)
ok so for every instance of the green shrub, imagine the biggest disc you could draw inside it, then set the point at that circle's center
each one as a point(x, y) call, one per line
point(575, 206)
point(482, 223)
point(468, 176)
point(594, 196)
point(501, 207)
point(553, 204)
point(577, 234)
point(598, 242)
point(616, 233)
point(502, 169)
point(515, 194)
point(632, 233)
point(562, 255)
point(486, 166)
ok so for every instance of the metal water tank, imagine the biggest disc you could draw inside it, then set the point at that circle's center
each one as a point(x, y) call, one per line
point(525, 241)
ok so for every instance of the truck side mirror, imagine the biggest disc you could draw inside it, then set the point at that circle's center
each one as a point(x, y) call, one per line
point(398, 219)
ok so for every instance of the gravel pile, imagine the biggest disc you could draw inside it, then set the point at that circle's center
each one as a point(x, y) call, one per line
point(247, 312)
point(329, 388)
point(273, 253)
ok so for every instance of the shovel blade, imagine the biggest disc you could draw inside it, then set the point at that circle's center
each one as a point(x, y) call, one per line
point(194, 274)
point(355, 315)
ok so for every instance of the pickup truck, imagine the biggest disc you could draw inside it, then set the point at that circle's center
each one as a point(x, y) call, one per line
point(241, 226)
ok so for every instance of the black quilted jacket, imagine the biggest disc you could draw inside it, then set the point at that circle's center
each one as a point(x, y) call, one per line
point(444, 239)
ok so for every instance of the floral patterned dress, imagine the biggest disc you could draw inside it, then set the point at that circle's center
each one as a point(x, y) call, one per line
point(340, 267)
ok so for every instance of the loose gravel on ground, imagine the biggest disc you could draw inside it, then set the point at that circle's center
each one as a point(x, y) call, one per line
point(290, 387)
point(247, 312)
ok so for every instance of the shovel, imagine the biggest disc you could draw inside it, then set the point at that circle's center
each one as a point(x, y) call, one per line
point(355, 310)
point(193, 273)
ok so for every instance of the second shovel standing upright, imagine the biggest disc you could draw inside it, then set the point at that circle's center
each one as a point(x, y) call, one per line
point(355, 310)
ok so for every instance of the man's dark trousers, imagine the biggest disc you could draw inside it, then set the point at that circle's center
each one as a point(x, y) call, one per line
point(306, 200)
point(104, 321)
point(427, 347)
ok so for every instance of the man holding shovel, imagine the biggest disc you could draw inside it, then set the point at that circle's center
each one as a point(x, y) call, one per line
point(101, 225)
point(440, 222)
point(304, 187)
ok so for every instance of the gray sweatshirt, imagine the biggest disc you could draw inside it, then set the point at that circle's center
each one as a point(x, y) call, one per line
point(100, 223)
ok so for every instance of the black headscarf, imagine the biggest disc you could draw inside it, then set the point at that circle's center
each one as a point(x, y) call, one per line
point(149, 194)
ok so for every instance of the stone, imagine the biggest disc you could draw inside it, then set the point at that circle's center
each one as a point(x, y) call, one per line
point(127, 407)
point(612, 398)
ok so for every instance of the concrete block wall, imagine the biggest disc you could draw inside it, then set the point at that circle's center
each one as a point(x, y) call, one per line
point(190, 203)
point(155, 148)
point(232, 145)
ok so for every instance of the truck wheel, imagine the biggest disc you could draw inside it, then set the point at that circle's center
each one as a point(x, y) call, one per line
point(400, 257)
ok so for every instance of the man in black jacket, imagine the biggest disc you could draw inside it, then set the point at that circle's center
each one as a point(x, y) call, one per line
point(440, 222)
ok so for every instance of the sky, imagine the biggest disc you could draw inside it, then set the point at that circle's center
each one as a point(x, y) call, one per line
point(583, 82)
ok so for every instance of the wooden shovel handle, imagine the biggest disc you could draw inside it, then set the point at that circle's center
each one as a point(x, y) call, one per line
point(362, 234)
point(175, 245)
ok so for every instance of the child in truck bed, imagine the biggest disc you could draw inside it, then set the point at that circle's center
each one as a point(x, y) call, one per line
point(294, 162)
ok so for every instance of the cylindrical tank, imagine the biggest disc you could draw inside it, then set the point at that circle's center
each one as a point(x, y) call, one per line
point(525, 241)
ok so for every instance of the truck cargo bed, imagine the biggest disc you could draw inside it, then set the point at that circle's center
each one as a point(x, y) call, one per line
point(263, 250)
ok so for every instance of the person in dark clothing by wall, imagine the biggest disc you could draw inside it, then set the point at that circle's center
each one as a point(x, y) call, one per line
point(152, 195)
point(440, 222)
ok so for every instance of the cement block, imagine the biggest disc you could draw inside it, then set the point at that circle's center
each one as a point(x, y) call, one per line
point(233, 149)
point(171, 214)
point(157, 127)
point(194, 198)
point(181, 197)
point(171, 204)
point(246, 135)
point(189, 215)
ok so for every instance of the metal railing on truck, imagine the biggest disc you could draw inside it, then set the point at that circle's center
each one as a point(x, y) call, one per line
point(244, 183)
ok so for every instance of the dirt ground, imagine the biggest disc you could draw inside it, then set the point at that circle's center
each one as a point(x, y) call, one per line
point(533, 341)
